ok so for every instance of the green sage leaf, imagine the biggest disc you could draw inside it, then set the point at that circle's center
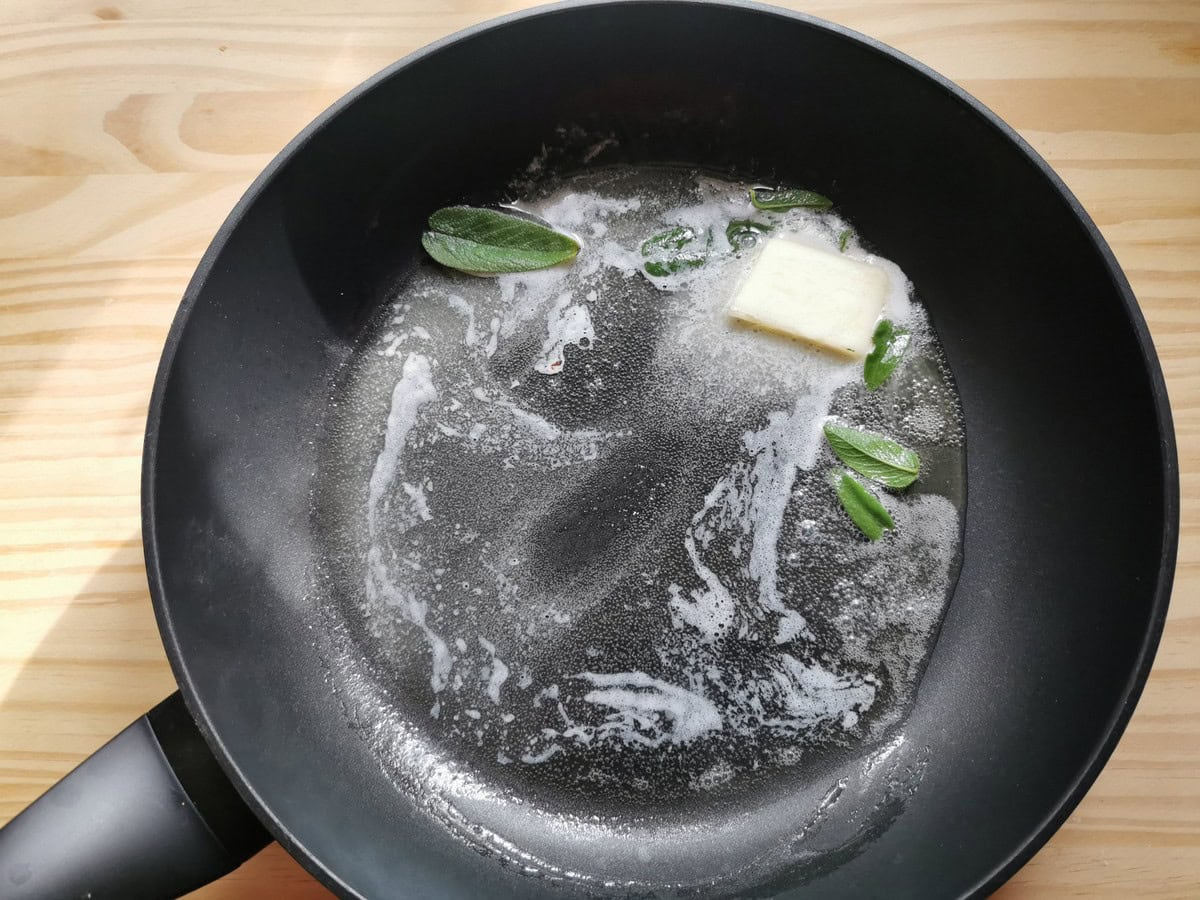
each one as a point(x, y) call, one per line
point(778, 200)
point(675, 249)
point(743, 233)
point(491, 242)
point(874, 455)
point(890, 344)
point(844, 239)
point(863, 507)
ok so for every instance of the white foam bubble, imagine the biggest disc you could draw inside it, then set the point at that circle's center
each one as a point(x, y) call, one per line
point(413, 390)
point(648, 710)
point(463, 308)
point(568, 323)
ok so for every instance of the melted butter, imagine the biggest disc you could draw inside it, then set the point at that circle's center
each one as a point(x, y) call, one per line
point(581, 535)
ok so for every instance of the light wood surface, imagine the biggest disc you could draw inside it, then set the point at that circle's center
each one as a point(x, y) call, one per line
point(128, 129)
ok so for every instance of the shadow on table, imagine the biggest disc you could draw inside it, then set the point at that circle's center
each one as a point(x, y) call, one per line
point(97, 668)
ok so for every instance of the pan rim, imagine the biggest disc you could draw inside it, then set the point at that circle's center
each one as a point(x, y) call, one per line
point(1117, 722)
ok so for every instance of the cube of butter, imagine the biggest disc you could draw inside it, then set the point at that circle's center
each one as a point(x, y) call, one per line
point(817, 295)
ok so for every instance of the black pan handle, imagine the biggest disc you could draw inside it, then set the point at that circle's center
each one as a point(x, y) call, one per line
point(148, 815)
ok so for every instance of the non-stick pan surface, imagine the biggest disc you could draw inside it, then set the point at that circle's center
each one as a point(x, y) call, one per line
point(1070, 527)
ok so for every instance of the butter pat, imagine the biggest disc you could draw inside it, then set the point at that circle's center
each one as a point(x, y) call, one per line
point(816, 295)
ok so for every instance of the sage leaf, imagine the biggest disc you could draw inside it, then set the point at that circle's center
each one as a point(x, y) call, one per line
point(491, 242)
point(778, 200)
point(844, 239)
point(863, 507)
point(743, 233)
point(675, 250)
point(873, 455)
point(890, 344)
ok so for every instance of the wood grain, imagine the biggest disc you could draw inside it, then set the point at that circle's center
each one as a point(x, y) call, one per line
point(129, 128)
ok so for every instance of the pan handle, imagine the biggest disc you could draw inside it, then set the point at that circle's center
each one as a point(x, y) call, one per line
point(148, 815)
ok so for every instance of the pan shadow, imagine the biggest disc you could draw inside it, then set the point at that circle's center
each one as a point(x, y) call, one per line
point(85, 667)
point(88, 666)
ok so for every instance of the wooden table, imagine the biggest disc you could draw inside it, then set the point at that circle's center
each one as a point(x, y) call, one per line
point(128, 129)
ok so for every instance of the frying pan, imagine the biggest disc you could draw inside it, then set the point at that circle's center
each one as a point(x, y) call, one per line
point(1069, 534)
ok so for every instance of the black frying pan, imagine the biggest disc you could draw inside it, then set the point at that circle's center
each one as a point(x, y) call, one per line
point(1070, 530)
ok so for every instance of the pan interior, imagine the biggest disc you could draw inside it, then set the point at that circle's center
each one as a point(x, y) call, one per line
point(595, 605)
